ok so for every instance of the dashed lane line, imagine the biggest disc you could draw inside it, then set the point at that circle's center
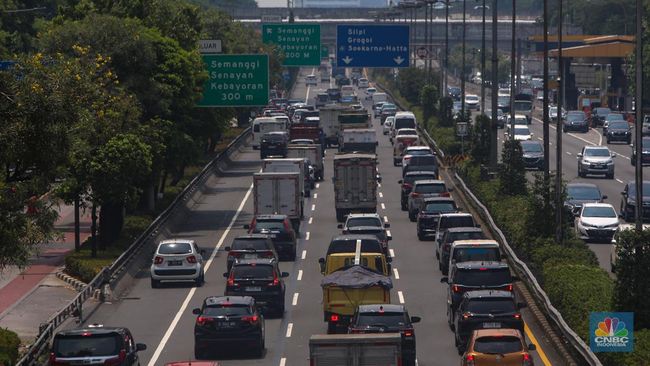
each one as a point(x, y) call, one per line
point(392, 252)
point(385, 218)
point(294, 302)
point(381, 195)
point(313, 207)
point(289, 330)
point(307, 234)
point(299, 275)
point(310, 220)
point(620, 181)
point(315, 195)
point(383, 207)
point(401, 297)
point(396, 273)
point(304, 254)
point(283, 361)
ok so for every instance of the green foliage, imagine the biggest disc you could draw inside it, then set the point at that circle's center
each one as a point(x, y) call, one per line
point(576, 290)
point(410, 82)
point(639, 357)
point(429, 94)
point(512, 171)
point(546, 253)
point(544, 215)
point(480, 144)
point(632, 273)
point(604, 16)
point(9, 343)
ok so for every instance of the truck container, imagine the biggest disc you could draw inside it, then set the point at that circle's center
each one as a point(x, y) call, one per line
point(346, 289)
point(358, 139)
point(293, 165)
point(355, 349)
point(278, 193)
point(313, 152)
point(305, 131)
point(329, 122)
point(355, 184)
point(354, 119)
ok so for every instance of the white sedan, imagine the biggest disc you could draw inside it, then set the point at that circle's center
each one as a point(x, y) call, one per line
point(388, 123)
point(597, 221)
point(522, 133)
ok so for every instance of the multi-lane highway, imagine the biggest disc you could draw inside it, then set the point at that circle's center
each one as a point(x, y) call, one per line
point(162, 318)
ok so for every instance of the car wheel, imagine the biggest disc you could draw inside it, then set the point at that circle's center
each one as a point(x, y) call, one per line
point(200, 280)
point(421, 236)
point(155, 283)
point(199, 354)
point(610, 176)
point(608, 141)
point(403, 206)
point(633, 161)
point(412, 216)
point(449, 320)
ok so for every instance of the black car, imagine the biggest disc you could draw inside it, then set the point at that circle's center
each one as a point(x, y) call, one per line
point(430, 210)
point(279, 229)
point(645, 152)
point(579, 193)
point(347, 243)
point(97, 345)
point(274, 144)
point(421, 163)
point(533, 154)
point(619, 131)
point(408, 180)
point(377, 232)
point(259, 278)
point(503, 103)
point(387, 318)
point(469, 276)
point(449, 237)
point(575, 121)
point(250, 246)
point(228, 321)
point(628, 201)
point(454, 92)
point(486, 309)
point(598, 116)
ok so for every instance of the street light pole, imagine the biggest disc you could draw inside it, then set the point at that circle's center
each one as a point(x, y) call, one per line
point(462, 71)
point(545, 116)
point(513, 90)
point(445, 68)
point(638, 138)
point(495, 84)
point(483, 61)
point(559, 205)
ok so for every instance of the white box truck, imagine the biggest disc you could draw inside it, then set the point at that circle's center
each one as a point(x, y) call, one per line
point(290, 165)
point(313, 153)
point(355, 184)
point(262, 125)
point(329, 122)
point(383, 349)
point(278, 193)
point(358, 139)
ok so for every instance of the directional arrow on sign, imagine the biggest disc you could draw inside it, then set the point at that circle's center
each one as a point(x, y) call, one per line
point(348, 59)
point(398, 60)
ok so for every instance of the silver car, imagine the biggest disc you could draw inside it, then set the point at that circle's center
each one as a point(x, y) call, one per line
point(424, 189)
point(596, 160)
point(177, 260)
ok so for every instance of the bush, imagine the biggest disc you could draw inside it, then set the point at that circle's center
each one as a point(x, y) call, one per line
point(576, 290)
point(83, 266)
point(546, 253)
point(639, 357)
point(632, 273)
point(9, 343)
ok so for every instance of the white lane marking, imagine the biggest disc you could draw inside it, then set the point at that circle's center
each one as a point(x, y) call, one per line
point(385, 218)
point(388, 232)
point(313, 207)
point(379, 185)
point(600, 135)
point(317, 185)
point(289, 329)
point(550, 143)
point(315, 195)
point(294, 302)
point(401, 297)
point(620, 181)
point(283, 361)
point(304, 254)
point(188, 298)
point(383, 207)
point(396, 273)
point(568, 153)
point(307, 235)
point(540, 139)
point(392, 252)
point(381, 195)
point(310, 220)
point(623, 156)
point(299, 275)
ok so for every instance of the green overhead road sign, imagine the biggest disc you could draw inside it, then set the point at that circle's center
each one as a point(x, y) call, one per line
point(300, 42)
point(236, 81)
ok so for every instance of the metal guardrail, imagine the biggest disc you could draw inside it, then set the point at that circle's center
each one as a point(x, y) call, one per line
point(109, 275)
point(519, 266)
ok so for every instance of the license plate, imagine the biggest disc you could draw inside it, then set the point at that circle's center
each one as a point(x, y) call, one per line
point(226, 324)
point(492, 325)
point(174, 263)
point(250, 256)
point(255, 288)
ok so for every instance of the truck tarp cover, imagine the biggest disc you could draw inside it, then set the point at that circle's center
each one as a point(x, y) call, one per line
point(356, 277)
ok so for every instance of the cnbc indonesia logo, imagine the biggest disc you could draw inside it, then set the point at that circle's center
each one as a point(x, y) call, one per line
point(613, 333)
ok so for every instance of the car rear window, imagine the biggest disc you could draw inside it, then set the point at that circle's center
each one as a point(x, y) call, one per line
point(456, 221)
point(497, 345)
point(430, 188)
point(350, 245)
point(388, 318)
point(422, 160)
point(476, 254)
point(175, 248)
point(227, 310)
point(440, 207)
point(412, 178)
point(244, 244)
point(269, 225)
point(466, 235)
point(250, 271)
point(86, 346)
point(482, 277)
point(404, 123)
point(364, 221)
point(491, 306)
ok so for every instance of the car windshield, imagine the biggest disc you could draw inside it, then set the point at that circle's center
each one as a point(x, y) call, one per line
point(430, 188)
point(456, 221)
point(175, 248)
point(615, 117)
point(471, 98)
point(645, 142)
point(497, 345)
point(363, 221)
point(530, 148)
point(523, 105)
point(268, 225)
point(96, 345)
point(226, 310)
point(404, 123)
point(597, 152)
point(477, 254)
point(571, 117)
point(600, 211)
point(409, 179)
point(646, 189)
point(417, 152)
point(583, 193)
point(385, 319)
point(618, 125)
point(248, 244)
point(423, 160)
point(440, 207)
point(465, 235)
point(406, 131)
point(602, 111)
point(378, 232)
point(503, 100)
point(491, 306)
point(253, 271)
point(522, 131)
point(388, 106)
point(350, 245)
point(482, 277)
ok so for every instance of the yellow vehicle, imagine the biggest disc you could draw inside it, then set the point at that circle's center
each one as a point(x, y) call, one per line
point(498, 347)
point(345, 290)
point(373, 261)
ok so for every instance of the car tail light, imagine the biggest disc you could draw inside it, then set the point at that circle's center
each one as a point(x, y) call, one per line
point(252, 227)
point(276, 280)
point(234, 254)
point(414, 195)
point(251, 319)
point(116, 360)
point(54, 362)
point(467, 315)
point(445, 194)
point(268, 254)
point(527, 360)
point(456, 288)
point(158, 260)
point(517, 316)
point(231, 280)
point(287, 227)
point(507, 288)
point(469, 360)
point(407, 186)
point(407, 332)
point(203, 320)
point(191, 259)
point(334, 318)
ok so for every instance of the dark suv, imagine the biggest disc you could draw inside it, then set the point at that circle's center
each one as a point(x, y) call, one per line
point(95, 344)
point(387, 318)
point(421, 163)
point(486, 309)
point(250, 246)
point(645, 152)
point(279, 229)
point(449, 237)
point(469, 276)
point(259, 278)
point(274, 144)
point(629, 204)
point(430, 210)
point(407, 183)
point(229, 320)
point(619, 131)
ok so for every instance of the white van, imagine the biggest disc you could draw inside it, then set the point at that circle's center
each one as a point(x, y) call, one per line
point(263, 125)
point(402, 120)
point(474, 250)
